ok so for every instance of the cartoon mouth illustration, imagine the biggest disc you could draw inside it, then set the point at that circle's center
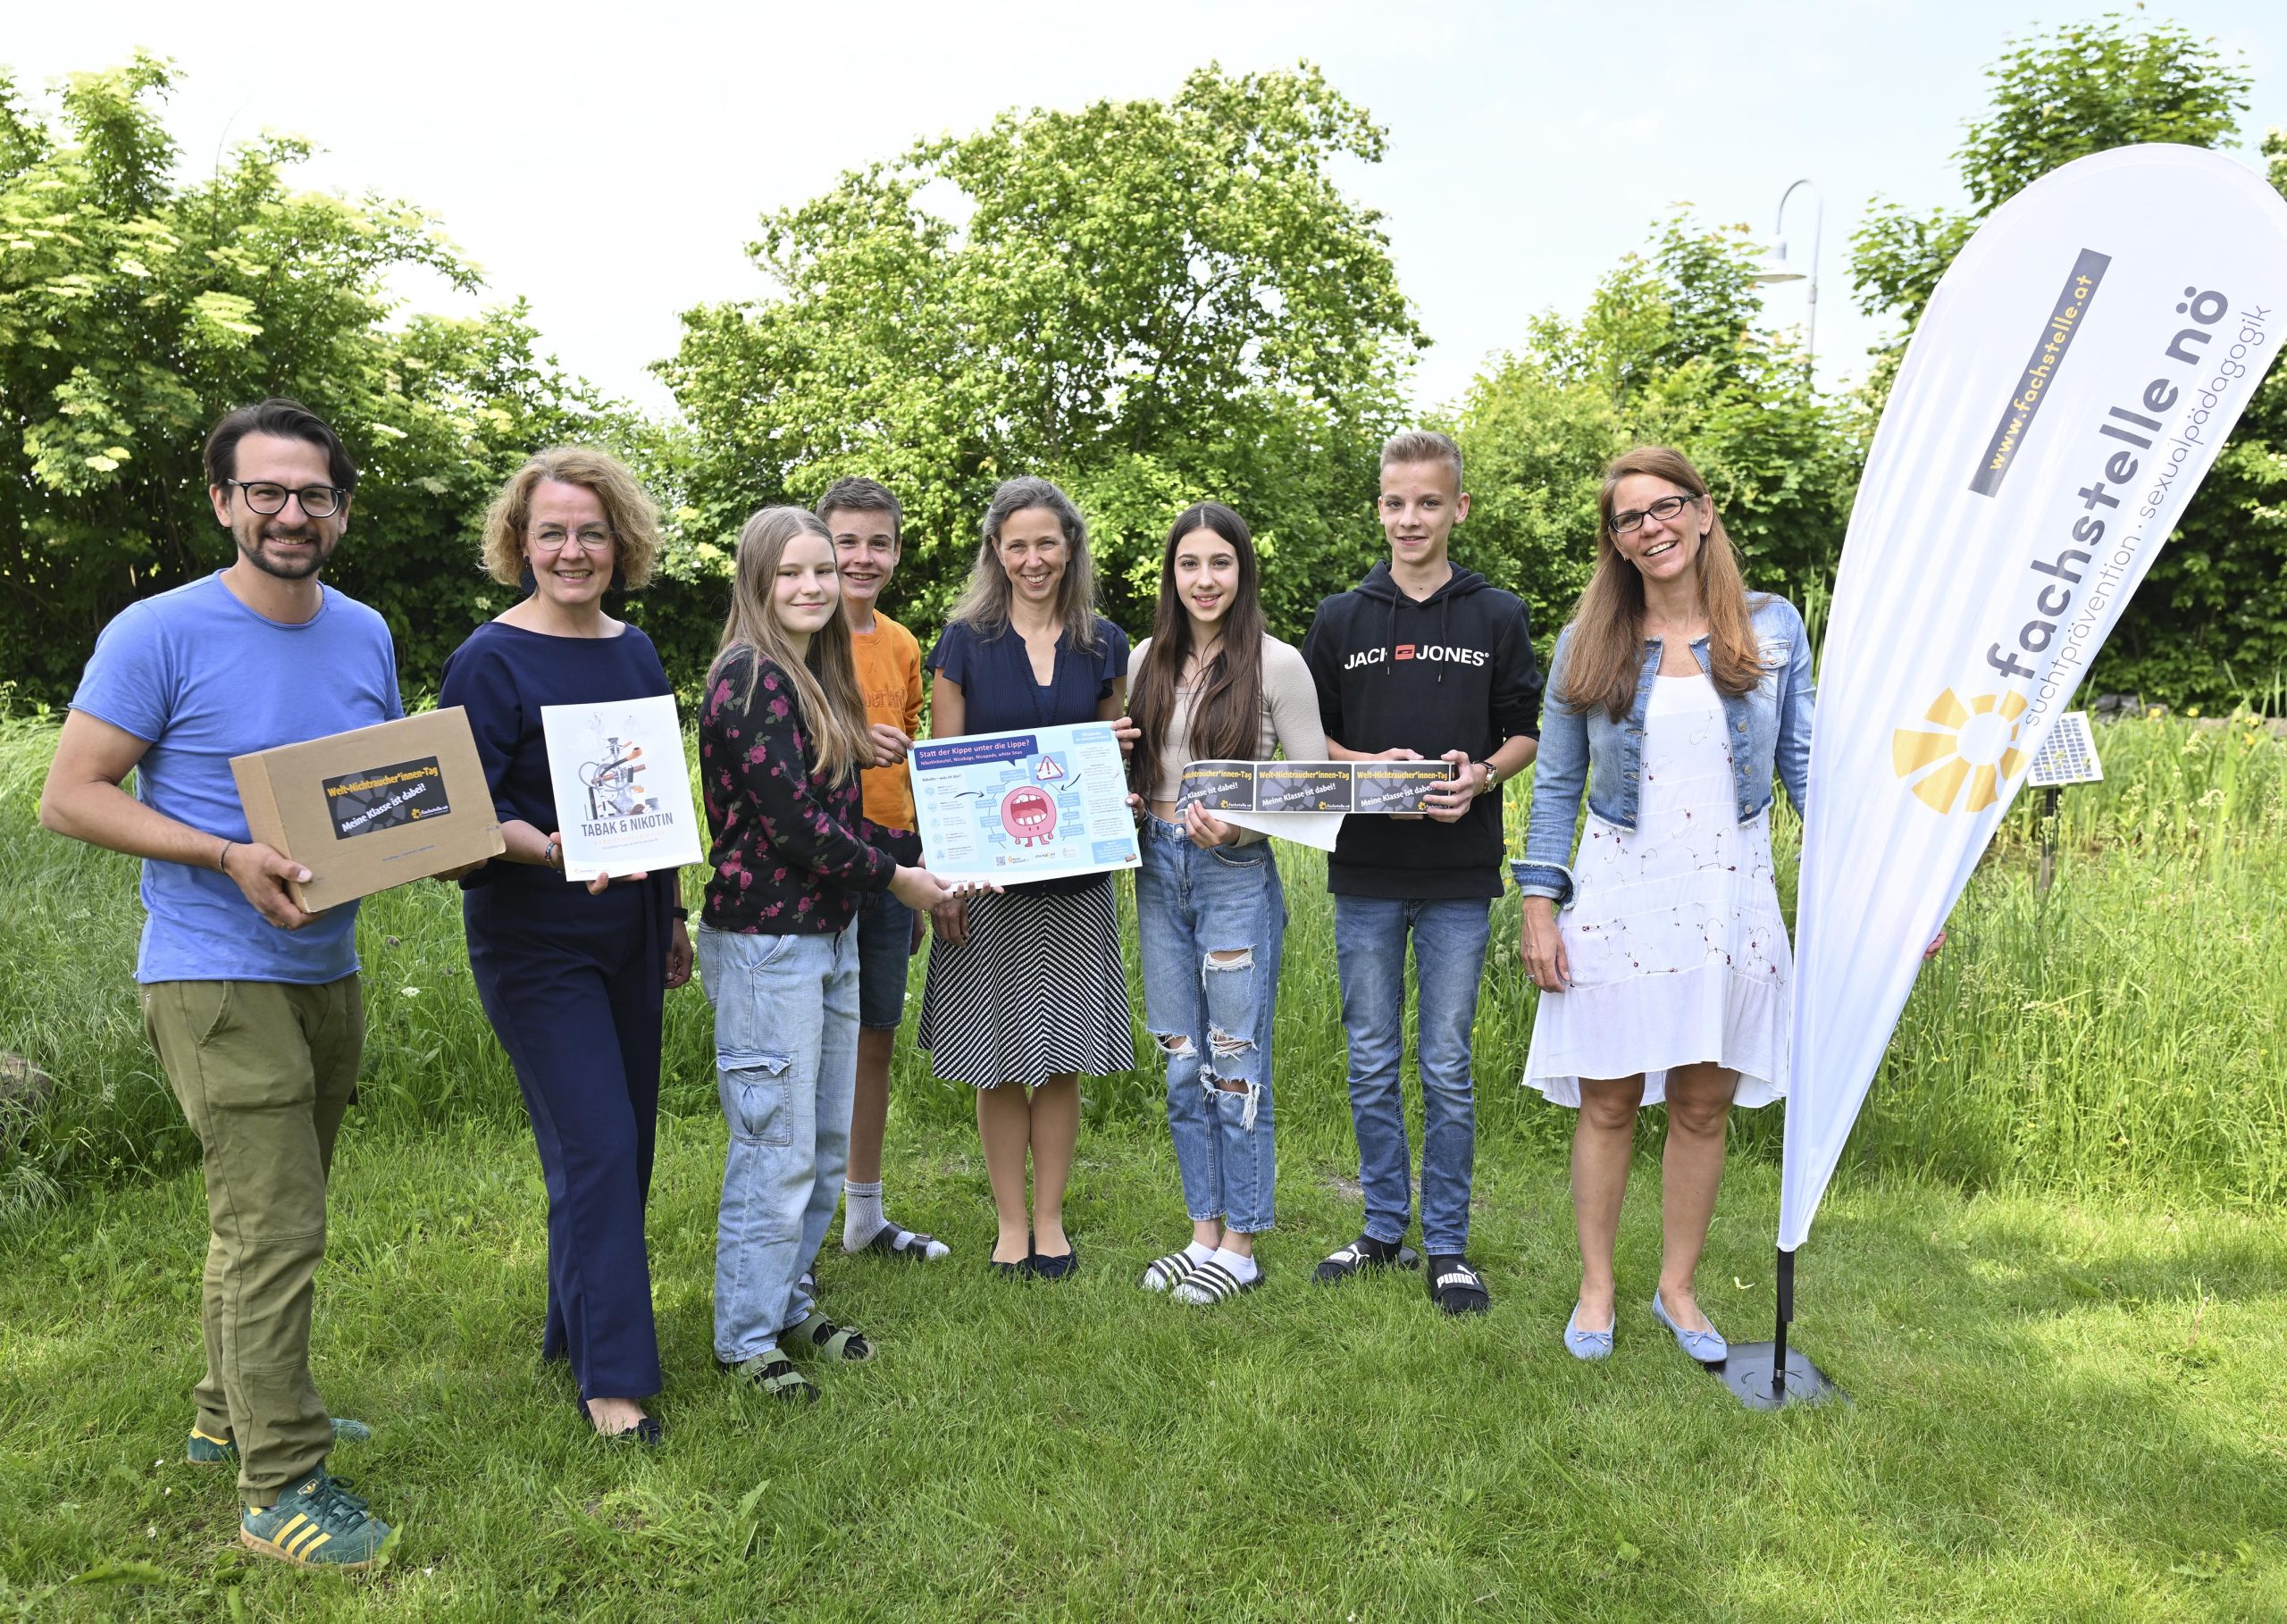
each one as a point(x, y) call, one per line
point(1028, 815)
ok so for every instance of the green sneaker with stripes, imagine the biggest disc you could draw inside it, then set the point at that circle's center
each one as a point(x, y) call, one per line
point(318, 1523)
point(206, 1449)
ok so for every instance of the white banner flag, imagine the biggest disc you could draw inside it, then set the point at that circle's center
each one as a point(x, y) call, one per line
point(2069, 385)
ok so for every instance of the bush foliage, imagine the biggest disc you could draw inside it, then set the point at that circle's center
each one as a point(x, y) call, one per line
point(1151, 301)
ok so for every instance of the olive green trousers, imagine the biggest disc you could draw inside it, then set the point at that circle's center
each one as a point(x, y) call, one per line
point(265, 1071)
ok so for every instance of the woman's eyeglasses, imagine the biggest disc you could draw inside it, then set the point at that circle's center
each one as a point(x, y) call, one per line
point(1664, 509)
point(587, 538)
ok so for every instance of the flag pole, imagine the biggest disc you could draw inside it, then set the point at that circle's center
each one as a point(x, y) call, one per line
point(1764, 1374)
point(1779, 1333)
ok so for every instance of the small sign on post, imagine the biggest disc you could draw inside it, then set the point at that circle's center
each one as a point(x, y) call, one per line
point(2067, 755)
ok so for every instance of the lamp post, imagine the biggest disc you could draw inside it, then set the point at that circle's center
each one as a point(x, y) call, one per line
point(1776, 268)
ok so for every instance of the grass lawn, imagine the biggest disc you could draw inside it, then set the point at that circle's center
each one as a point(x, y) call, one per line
point(2062, 1411)
point(2052, 1274)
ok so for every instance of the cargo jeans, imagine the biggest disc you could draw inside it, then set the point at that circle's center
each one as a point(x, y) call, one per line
point(264, 1072)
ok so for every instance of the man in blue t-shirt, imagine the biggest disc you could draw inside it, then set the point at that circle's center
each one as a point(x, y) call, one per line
point(252, 1004)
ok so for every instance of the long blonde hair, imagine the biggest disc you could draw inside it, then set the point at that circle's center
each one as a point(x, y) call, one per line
point(983, 604)
point(1605, 659)
point(826, 680)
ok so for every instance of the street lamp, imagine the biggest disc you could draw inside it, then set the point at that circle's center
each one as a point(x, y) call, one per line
point(1775, 266)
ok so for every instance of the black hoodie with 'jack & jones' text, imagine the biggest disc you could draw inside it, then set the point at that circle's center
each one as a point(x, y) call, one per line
point(1451, 671)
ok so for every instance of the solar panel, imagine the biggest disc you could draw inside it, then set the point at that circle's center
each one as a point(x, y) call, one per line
point(2068, 754)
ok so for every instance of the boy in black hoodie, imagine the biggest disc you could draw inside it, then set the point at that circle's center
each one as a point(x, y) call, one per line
point(1421, 660)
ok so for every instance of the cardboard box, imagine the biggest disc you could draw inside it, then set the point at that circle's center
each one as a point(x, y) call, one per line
point(373, 808)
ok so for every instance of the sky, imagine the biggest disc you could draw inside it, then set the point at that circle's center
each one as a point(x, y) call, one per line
point(609, 163)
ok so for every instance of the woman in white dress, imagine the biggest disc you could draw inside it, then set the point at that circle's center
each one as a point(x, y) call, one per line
point(1672, 696)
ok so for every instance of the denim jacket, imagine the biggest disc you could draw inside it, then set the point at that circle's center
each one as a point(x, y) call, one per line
point(1770, 728)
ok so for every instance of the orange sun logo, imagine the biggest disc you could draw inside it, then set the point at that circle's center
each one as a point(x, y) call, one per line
point(1977, 751)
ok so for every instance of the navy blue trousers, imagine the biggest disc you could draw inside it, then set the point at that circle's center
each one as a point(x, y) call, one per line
point(573, 986)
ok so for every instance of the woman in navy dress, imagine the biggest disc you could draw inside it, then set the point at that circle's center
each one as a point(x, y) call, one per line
point(1024, 990)
point(572, 977)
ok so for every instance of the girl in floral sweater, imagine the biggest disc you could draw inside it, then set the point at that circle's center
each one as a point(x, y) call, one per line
point(781, 739)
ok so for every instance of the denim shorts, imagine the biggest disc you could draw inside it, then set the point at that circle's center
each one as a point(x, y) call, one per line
point(884, 951)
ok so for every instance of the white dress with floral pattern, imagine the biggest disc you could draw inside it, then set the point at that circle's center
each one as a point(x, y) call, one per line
point(1676, 948)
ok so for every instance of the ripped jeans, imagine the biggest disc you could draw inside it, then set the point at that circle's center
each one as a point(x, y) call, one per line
point(786, 1068)
point(1212, 924)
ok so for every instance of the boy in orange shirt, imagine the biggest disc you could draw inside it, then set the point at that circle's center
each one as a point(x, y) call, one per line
point(864, 518)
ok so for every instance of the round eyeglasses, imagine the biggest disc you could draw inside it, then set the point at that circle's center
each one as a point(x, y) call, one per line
point(262, 496)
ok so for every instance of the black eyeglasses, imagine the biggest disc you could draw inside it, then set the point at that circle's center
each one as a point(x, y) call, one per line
point(1664, 509)
point(318, 501)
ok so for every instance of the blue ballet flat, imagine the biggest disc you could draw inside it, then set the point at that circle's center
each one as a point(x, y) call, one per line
point(1708, 1346)
point(1587, 1344)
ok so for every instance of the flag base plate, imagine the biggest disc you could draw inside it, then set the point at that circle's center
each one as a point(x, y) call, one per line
point(1747, 1372)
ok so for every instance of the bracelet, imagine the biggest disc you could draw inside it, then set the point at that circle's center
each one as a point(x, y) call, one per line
point(680, 911)
point(222, 857)
point(548, 855)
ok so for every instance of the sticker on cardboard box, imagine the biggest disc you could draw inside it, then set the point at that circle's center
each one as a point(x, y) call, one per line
point(385, 797)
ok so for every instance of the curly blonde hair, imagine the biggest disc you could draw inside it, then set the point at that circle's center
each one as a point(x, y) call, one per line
point(632, 516)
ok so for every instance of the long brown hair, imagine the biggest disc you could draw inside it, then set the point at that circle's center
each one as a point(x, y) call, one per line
point(826, 679)
point(1227, 716)
point(1605, 659)
point(984, 603)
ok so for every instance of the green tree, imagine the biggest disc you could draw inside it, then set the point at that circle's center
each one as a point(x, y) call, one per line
point(135, 310)
point(2085, 89)
point(1668, 351)
point(2209, 624)
point(1153, 302)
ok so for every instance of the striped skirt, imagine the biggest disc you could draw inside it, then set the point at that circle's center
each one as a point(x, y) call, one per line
point(1036, 990)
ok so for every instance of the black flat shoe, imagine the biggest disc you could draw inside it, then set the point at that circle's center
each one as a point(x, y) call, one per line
point(1021, 1270)
point(1062, 1266)
point(647, 1433)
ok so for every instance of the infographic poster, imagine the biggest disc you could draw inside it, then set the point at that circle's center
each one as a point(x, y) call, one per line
point(1037, 804)
point(623, 789)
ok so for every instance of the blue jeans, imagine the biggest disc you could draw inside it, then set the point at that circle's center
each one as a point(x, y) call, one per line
point(786, 1065)
point(1449, 938)
point(1189, 904)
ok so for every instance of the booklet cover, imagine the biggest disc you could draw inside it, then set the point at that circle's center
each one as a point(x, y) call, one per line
point(623, 788)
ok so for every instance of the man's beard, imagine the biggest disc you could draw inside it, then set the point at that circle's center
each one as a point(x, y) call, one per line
point(287, 569)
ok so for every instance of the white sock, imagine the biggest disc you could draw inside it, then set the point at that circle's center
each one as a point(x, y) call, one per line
point(861, 1215)
point(1198, 1253)
point(862, 1219)
point(1241, 1266)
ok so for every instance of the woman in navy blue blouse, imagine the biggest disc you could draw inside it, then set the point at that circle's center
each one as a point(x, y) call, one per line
point(1024, 990)
point(572, 977)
